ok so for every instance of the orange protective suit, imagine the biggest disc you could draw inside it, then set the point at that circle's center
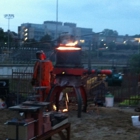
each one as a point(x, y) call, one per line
point(42, 77)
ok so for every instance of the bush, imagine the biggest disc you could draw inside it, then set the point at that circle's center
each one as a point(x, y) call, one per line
point(133, 100)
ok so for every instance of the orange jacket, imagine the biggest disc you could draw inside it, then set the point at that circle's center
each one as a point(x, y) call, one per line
point(42, 70)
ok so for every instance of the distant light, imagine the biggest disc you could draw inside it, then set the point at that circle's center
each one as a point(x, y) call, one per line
point(102, 40)
point(137, 39)
point(25, 34)
point(104, 44)
point(25, 39)
point(124, 42)
point(26, 30)
point(82, 41)
point(106, 47)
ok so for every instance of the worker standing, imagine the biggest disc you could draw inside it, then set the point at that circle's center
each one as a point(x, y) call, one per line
point(42, 74)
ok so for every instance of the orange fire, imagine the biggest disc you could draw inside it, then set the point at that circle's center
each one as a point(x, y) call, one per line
point(66, 103)
point(65, 110)
point(54, 107)
point(68, 48)
point(72, 43)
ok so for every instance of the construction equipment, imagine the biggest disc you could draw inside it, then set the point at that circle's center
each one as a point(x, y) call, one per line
point(69, 71)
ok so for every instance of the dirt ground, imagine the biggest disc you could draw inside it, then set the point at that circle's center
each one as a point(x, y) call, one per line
point(101, 123)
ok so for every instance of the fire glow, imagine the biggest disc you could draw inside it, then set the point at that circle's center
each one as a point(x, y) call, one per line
point(66, 109)
point(54, 107)
point(68, 48)
point(72, 43)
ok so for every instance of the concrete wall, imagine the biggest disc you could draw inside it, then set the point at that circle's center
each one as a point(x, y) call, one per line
point(7, 69)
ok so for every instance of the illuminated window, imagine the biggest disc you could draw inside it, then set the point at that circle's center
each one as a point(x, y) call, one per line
point(26, 30)
point(25, 34)
point(25, 38)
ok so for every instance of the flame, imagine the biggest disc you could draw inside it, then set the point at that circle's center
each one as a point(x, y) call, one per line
point(68, 48)
point(54, 107)
point(66, 103)
point(65, 110)
point(72, 43)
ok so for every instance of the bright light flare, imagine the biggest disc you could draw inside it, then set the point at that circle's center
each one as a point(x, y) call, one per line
point(72, 43)
point(54, 107)
point(65, 110)
point(25, 38)
point(26, 30)
point(68, 48)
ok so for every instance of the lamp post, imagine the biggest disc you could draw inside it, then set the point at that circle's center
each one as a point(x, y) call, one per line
point(8, 16)
point(56, 18)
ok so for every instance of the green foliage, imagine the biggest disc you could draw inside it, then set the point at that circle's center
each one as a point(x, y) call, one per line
point(133, 100)
point(109, 32)
point(138, 35)
point(4, 36)
point(1, 35)
point(135, 63)
point(111, 46)
point(30, 43)
point(46, 38)
point(102, 44)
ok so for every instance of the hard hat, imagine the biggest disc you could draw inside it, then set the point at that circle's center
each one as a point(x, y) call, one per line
point(40, 55)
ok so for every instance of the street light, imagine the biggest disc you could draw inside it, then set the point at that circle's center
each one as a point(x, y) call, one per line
point(8, 16)
point(56, 18)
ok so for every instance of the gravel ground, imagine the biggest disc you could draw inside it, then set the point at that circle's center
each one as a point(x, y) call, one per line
point(100, 123)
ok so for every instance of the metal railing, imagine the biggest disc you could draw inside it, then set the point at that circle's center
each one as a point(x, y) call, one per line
point(19, 84)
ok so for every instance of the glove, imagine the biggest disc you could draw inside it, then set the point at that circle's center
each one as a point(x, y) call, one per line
point(33, 82)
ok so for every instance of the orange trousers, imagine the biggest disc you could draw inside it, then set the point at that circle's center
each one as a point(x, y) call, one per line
point(44, 90)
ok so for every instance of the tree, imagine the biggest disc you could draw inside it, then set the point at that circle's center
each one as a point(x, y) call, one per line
point(109, 32)
point(135, 63)
point(137, 35)
point(46, 38)
point(111, 46)
point(46, 41)
point(1, 35)
point(6, 34)
point(30, 43)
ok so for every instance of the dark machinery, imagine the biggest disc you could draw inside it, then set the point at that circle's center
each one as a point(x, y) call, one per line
point(35, 123)
point(69, 70)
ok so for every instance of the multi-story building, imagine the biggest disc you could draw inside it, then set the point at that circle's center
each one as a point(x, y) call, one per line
point(29, 31)
point(84, 35)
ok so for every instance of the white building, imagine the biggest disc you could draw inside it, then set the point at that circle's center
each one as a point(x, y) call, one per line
point(28, 31)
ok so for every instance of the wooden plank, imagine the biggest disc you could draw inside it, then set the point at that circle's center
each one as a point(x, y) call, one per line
point(58, 130)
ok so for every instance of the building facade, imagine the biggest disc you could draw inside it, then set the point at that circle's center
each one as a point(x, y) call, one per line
point(31, 31)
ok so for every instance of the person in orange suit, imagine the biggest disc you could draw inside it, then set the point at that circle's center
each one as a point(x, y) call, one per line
point(42, 75)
